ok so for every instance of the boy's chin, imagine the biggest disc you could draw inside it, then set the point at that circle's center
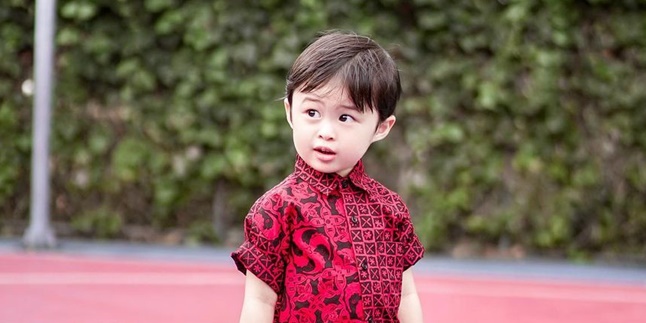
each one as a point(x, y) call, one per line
point(322, 167)
point(329, 169)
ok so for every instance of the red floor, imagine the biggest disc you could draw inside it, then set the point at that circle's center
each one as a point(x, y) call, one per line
point(61, 288)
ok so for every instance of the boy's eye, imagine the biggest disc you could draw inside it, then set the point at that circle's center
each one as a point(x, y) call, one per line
point(346, 118)
point(312, 113)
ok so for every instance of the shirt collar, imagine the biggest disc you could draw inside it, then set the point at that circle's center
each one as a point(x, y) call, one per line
point(328, 182)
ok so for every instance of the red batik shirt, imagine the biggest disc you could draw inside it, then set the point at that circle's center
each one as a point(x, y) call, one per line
point(332, 248)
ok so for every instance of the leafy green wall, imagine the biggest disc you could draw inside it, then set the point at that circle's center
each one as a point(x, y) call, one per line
point(521, 124)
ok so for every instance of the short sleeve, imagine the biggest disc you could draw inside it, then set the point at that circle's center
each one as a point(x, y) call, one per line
point(265, 243)
point(412, 246)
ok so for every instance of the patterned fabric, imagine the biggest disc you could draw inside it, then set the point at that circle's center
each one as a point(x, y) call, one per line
point(332, 248)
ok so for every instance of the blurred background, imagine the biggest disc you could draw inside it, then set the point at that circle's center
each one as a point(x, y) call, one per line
point(520, 132)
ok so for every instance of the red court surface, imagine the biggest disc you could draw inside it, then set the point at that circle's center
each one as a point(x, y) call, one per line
point(57, 288)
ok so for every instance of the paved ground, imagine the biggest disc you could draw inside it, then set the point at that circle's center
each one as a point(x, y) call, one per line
point(99, 282)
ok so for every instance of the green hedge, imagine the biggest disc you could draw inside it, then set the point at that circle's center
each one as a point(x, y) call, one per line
point(521, 124)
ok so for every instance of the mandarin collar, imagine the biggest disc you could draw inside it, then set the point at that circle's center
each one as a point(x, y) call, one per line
point(328, 182)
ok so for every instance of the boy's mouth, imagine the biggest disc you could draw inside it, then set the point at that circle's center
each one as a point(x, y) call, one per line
point(324, 150)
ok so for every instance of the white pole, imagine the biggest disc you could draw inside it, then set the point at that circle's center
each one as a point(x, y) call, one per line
point(39, 234)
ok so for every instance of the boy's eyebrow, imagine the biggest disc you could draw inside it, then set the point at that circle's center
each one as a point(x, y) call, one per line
point(314, 98)
point(348, 106)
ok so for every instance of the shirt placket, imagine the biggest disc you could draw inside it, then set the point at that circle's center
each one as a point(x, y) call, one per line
point(355, 228)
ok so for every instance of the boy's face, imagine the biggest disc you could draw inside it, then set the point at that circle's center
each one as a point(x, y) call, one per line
point(330, 134)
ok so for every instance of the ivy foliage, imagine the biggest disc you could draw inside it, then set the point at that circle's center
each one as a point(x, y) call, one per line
point(522, 121)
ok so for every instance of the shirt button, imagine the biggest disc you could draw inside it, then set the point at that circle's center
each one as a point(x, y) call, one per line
point(369, 319)
point(364, 265)
point(354, 219)
point(344, 184)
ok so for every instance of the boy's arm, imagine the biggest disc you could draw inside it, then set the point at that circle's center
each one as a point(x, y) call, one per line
point(410, 309)
point(259, 301)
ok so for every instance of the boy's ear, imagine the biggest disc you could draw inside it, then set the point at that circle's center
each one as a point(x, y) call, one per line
point(384, 128)
point(288, 112)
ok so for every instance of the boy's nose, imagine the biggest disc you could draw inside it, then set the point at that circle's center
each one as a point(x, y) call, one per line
point(326, 131)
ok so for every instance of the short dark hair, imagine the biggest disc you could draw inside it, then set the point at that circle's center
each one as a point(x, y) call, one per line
point(363, 67)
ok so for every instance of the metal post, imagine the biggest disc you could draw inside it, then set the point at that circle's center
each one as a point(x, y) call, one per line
point(39, 234)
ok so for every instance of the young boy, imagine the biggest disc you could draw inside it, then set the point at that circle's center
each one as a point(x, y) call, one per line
point(329, 243)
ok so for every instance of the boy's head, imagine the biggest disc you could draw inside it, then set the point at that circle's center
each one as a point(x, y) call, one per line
point(363, 68)
point(341, 96)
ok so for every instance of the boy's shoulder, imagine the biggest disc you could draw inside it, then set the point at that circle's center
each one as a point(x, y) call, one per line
point(381, 193)
point(281, 190)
